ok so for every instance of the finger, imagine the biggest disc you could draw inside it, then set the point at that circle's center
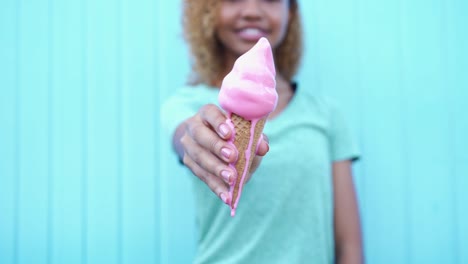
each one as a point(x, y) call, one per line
point(255, 163)
point(263, 146)
point(207, 160)
point(212, 115)
point(208, 139)
point(214, 183)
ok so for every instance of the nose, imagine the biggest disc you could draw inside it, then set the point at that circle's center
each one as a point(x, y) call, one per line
point(251, 9)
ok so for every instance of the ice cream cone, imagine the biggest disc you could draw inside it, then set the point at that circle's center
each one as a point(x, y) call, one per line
point(248, 95)
point(246, 140)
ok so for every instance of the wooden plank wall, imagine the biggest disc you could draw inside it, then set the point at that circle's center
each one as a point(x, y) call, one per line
point(87, 177)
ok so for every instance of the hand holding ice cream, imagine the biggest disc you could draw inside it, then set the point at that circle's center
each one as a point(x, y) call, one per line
point(248, 94)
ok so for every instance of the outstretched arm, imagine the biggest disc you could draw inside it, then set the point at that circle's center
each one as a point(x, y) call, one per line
point(348, 241)
point(201, 142)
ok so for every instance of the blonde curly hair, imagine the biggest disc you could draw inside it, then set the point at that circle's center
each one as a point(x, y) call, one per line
point(199, 22)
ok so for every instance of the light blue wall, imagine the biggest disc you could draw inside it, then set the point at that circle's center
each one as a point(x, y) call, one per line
point(85, 177)
point(79, 160)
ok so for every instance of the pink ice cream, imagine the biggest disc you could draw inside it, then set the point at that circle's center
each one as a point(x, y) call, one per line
point(249, 91)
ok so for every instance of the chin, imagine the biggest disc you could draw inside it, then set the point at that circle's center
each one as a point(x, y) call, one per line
point(244, 46)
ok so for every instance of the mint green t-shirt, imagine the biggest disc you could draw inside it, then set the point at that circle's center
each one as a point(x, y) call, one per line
point(285, 213)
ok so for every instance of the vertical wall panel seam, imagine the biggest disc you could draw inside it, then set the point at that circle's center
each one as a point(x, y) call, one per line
point(361, 97)
point(50, 125)
point(119, 112)
point(17, 165)
point(456, 169)
point(318, 63)
point(84, 134)
point(156, 147)
point(446, 60)
point(460, 36)
point(361, 179)
point(162, 81)
point(404, 131)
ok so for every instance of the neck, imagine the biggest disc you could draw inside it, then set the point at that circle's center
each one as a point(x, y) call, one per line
point(229, 58)
point(281, 83)
point(228, 62)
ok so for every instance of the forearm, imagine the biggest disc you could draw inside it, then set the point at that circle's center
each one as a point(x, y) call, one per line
point(177, 145)
point(350, 253)
point(348, 241)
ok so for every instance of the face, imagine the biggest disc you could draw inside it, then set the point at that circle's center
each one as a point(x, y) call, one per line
point(241, 23)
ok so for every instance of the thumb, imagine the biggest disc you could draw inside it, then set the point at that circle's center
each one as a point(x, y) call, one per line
point(263, 146)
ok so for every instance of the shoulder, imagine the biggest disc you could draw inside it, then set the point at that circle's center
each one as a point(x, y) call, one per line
point(325, 111)
point(183, 103)
point(322, 105)
point(192, 92)
point(343, 145)
point(190, 96)
point(331, 109)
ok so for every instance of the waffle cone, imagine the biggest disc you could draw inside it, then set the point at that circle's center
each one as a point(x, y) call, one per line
point(241, 141)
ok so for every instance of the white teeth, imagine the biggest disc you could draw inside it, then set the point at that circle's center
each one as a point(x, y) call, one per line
point(252, 31)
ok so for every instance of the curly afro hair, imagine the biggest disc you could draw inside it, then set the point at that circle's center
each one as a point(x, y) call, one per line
point(199, 22)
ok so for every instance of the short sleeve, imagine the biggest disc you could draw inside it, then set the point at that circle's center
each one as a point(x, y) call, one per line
point(183, 104)
point(174, 111)
point(342, 142)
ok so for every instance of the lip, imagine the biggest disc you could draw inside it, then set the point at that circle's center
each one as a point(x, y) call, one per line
point(251, 33)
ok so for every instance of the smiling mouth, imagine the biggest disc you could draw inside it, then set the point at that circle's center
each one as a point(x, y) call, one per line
point(251, 34)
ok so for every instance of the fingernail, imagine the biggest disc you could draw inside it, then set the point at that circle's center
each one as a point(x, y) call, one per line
point(224, 197)
point(224, 129)
point(226, 176)
point(226, 152)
